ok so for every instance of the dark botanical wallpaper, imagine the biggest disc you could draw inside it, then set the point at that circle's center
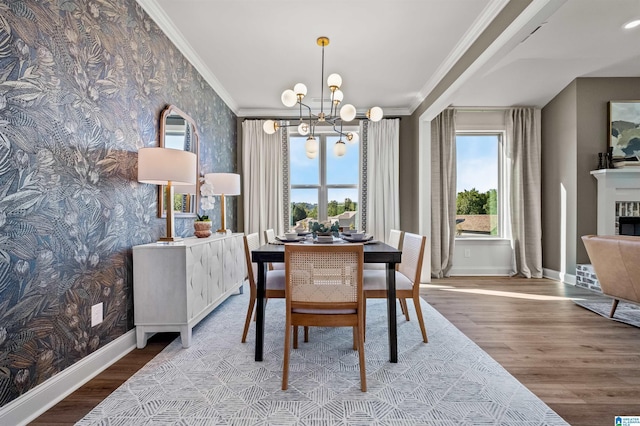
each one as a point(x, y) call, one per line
point(82, 86)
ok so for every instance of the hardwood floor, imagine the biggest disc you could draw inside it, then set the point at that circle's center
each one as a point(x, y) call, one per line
point(584, 366)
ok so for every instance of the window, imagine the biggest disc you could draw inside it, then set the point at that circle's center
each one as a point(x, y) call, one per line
point(480, 192)
point(325, 187)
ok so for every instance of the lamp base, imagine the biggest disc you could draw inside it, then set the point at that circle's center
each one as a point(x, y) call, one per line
point(223, 231)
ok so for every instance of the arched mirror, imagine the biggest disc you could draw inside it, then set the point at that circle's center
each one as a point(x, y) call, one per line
point(178, 131)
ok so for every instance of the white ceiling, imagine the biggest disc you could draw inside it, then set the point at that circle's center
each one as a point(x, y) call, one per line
point(392, 53)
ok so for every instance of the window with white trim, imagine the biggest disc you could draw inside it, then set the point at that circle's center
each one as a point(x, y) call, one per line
point(480, 200)
point(325, 187)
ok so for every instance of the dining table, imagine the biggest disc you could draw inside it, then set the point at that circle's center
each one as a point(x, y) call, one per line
point(374, 252)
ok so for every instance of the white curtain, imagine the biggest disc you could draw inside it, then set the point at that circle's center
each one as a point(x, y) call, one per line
point(524, 155)
point(262, 165)
point(383, 204)
point(443, 193)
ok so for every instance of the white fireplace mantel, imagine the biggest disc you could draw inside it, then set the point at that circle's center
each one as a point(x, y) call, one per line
point(615, 185)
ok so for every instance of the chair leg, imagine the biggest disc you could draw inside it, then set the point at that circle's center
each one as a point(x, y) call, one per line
point(416, 303)
point(295, 337)
point(403, 306)
point(287, 350)
point(613, 307)
point(355, 338)
point(252, 303)
point(363, 374)
point(306, 333)
point(364, 320)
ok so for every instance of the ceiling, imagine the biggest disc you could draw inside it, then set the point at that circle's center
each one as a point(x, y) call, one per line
point(393, 53)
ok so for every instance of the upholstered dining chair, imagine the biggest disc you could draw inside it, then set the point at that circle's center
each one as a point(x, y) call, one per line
point(269, 236)
point(323, 287)
point(407, 278)
point(395, 238)
point(395, 241)
point(274, 286)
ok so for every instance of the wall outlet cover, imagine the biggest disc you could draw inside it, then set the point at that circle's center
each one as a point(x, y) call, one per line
point(96, 314)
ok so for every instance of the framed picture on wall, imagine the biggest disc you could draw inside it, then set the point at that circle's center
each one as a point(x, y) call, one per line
point(624, 128)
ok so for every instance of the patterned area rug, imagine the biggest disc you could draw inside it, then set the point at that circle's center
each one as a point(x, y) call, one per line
point(448, 381)
point(627, 313)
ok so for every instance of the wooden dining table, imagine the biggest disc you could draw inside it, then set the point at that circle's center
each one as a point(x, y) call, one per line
point(377, 252)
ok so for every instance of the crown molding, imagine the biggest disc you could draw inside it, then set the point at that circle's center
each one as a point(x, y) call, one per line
point(177, 38)
point(484, 20)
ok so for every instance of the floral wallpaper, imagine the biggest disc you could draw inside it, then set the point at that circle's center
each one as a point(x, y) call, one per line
point(82, 86)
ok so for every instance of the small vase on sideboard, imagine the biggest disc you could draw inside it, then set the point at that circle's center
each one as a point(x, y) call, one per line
point(202, 227)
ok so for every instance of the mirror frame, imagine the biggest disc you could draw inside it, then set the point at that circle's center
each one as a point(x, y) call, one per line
point(166, 112)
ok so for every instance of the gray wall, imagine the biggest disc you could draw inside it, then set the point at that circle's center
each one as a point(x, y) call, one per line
point(409, 163)
point(574, 130)
point(559, 149)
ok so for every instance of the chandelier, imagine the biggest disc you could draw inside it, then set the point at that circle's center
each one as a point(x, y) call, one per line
point(308, 120)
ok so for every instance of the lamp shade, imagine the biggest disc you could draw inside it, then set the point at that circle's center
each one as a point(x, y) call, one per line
point(224, 183)
point(160, 166)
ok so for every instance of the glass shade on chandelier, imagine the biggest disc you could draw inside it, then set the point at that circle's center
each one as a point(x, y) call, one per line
point(336, 116)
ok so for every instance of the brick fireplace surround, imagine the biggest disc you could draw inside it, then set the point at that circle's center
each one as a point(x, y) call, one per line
point(618, 195)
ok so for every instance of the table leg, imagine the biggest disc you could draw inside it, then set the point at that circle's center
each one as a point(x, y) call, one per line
point(260, 305)
point(391, 312)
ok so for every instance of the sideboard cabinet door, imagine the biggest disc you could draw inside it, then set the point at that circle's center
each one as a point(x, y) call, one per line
point(176, 285)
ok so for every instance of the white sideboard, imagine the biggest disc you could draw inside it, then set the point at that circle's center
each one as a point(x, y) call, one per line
point(176, 285)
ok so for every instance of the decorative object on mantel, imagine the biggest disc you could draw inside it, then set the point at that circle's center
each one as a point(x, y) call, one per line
point(347, 113)
point(609, 154)
point(224, 184)
point(627, 161)
point(624, 128)
point(166, 166)
point(600, 162)
point(202, 227)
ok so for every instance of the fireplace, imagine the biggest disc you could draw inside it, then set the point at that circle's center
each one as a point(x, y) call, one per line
point(618, 211)
point(618, 196)
point(629, 225)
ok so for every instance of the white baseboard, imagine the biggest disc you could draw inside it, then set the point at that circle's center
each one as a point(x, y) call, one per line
point(39, 399)
point(559, 276)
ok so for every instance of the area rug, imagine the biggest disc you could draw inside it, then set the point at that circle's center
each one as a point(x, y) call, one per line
point(627, 313)
point(448, 381)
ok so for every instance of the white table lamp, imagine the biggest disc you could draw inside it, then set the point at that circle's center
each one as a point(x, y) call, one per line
point(224, 184)
point(165, 166)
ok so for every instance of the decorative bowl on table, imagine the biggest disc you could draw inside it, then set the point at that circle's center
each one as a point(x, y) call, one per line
point(364, 239)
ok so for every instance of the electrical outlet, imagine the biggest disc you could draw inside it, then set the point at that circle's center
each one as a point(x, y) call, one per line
point(467, 252)
point(96, 314)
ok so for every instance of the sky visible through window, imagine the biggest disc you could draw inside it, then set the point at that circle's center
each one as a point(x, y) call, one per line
point(340, 170)
point(477, 162)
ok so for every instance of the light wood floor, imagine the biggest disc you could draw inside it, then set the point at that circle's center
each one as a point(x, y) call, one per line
point(584, 366)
